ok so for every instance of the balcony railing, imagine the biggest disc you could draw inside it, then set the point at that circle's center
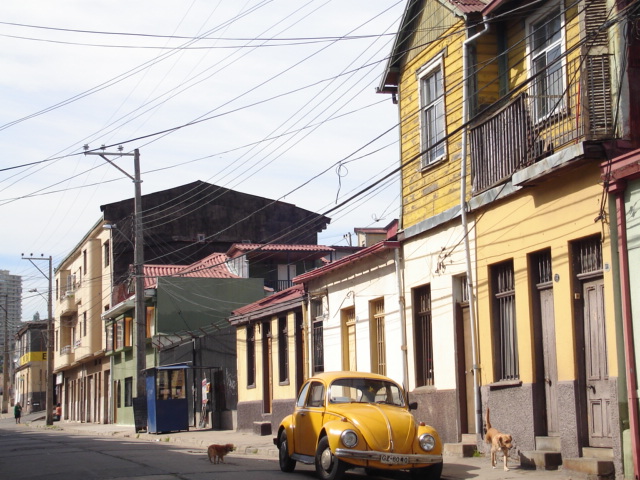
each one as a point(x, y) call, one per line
point(554, 112)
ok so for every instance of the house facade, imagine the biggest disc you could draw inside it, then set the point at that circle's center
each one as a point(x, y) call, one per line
point(507, 111)
point(272, 358)
point(31, 369)
point(82, 291)
point(425, 77)
point(184, 305)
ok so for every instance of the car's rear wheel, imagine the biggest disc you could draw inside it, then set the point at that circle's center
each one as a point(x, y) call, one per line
point(432, 472)
point(287, 464)
point(328, 466)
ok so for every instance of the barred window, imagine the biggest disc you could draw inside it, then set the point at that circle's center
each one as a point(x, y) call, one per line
point(423, 335)
point(505, 338)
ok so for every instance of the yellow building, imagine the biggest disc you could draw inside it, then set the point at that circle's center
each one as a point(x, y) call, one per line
point(82, 292)
point(507, 109)
point(31, 370)
point(270, 347)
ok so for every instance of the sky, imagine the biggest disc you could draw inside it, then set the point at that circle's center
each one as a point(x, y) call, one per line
point(276, 98)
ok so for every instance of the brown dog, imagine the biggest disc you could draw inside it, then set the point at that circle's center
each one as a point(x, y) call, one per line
point(219, 451)
point(499, 442)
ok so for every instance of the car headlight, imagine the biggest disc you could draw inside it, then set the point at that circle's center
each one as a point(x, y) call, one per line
point(349, 438)
point(427, 442)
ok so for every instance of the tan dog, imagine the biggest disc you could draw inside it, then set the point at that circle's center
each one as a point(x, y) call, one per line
point(219, 451)
point(499, 442)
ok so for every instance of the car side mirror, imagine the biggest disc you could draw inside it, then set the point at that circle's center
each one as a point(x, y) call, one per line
point(413, 406)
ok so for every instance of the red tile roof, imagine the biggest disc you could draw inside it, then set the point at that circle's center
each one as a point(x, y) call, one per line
point(213, 266)
point(239, 248)
point(468, 6)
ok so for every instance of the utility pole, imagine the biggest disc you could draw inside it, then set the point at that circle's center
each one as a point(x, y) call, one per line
point(138, 265)
point(49, 394)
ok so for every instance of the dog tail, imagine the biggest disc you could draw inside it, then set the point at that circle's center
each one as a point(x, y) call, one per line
point(488, 422)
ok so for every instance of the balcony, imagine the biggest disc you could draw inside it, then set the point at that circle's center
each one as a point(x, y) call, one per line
point(68, 304)
point(67, 357)
point(531, 126)
point(278, 285)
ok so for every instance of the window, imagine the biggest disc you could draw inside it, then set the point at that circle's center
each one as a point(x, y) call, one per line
point(318, 335)
point(546, 63)
point(432, 119)
point(151, 312)
point(84, 261)
point(84, 323)
point(378, 349)
point(106, 254)
point(109, 337)
point(251, 355)
point(118, 394)
point(283, 349)
point(128, 391)
point(349, 339)
point(505, 339)
point(423, 335)
point(128, 331)
point(316, 395)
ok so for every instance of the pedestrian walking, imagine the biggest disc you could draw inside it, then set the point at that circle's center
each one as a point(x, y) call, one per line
point(17, 411)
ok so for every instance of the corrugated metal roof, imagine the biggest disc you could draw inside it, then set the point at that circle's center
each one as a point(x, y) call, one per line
point(287, 295)
point(346, 261)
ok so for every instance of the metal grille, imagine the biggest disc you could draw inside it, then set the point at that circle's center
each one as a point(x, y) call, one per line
point(318, 335)
point(378, 317)
point(423, 336)
point(283, 349)
point(505, 322)
point(589, 255)
point(251, 355)
point(543, 261)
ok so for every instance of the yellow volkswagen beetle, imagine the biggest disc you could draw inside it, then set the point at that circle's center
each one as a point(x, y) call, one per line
point(344, 420)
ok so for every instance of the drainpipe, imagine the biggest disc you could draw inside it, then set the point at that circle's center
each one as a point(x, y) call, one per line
point(403, 320)
point(627, 326)
point(465, 229)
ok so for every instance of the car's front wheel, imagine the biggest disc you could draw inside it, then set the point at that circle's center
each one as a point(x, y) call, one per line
point(287, 464)
point(432, 472)
point(328, 466)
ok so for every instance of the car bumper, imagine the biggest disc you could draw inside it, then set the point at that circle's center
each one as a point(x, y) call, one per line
point(377, 456)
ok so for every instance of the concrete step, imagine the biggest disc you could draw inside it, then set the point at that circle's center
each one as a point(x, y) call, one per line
point(460, 450)
point(588, 468)
point(599, 453)
point(541, 460)
point(469, 438)
point(262, 428)
point(548, 444)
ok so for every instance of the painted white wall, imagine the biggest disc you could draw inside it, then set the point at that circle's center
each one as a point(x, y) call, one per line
point(356, 286)
point(436, 258)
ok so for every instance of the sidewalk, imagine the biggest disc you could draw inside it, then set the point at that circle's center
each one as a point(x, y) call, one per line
point(248, 443)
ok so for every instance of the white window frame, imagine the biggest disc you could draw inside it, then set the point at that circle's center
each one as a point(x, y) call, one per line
point(543, 107)
point(432, 156)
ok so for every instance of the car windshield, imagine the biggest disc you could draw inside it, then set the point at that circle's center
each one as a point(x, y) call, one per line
point(365, 390)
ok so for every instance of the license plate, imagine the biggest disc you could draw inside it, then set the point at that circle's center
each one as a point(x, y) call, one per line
point(394, 459)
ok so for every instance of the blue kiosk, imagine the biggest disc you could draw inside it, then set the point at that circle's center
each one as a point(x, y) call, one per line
point(167, 403)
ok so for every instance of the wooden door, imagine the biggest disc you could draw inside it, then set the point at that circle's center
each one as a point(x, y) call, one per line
point(349, 339)
point(466, 392)
point(550, 360)
point(267, 380)
point(596, 366)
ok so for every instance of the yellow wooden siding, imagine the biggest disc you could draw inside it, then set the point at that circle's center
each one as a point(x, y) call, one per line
point(435, 189)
